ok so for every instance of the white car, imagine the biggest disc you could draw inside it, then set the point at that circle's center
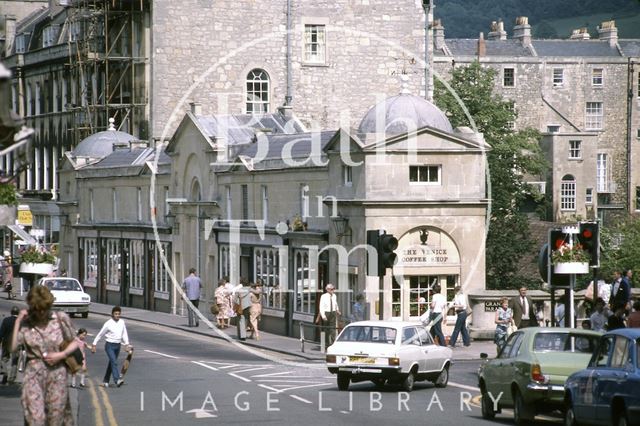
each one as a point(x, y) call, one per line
point(388, 351)
point(68, 295)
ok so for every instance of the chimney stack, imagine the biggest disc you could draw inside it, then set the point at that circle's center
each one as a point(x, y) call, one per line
point(482, 46)
point(522, 30)
point(608, 31)
point(196, 108)
point(580, 34)
point(438, 34)
point(497, 31)
point(10, 34)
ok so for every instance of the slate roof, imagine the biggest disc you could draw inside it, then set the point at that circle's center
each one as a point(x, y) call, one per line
point(469, 47)
point(630, 48)
point(298, 145)
point(128, 158)
point(588, 48)
point(241, 128)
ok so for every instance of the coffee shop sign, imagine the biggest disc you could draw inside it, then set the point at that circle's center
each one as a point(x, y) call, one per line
point(424, 255)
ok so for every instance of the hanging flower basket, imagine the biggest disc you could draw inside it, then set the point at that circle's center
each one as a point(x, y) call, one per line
point(571, 268)
point(36, 268)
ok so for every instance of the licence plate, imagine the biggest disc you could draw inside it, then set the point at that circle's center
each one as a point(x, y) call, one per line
point(362, 359)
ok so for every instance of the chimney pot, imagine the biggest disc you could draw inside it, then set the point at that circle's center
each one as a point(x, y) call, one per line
point(438, 34)
point(608, 31)
point(482, 46)
point(522, 30)
point(497, 31)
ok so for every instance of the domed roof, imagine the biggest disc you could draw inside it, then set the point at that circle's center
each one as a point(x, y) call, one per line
point(100, 144)
point(404, 112)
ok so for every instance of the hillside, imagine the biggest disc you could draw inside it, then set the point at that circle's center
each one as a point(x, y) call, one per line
point(549, 18)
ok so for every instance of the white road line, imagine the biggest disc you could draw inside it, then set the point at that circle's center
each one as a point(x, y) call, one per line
point(306, 401)
point(270, 388)
point(301, 387)
point(239, 377)
point(252, 369)
point(280, 373)
point(286, 381)
point(461, 386)
point(161, 354)
point(344, 412)
point(205, 365)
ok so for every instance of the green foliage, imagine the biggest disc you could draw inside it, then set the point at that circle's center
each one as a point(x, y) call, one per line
point(8, 194)
point(566, 253)
point(620, 247)
point(513, 155)
point(33, 254)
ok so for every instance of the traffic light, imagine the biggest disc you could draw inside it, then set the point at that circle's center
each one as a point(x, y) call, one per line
point(556, 239)
point(589, 238)
point(385, 257)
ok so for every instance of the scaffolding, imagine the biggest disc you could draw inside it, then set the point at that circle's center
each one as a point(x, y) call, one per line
point(109, 59)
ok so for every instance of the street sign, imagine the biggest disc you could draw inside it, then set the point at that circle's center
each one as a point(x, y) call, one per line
point(25, 218)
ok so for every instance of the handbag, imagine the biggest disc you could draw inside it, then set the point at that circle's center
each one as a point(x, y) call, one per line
point(74, 360)
point(237, 308)
point(215, 309)
point(511, 329)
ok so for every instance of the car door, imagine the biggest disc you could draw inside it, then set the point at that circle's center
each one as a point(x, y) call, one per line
point(596, 383)
point(411, 347)
point(430, 351)
point(498, 379)
point(610, 378)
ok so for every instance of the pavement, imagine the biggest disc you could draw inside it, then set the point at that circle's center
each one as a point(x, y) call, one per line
point(10, 408)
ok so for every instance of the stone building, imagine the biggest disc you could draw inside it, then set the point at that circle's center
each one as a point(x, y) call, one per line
point(582, 94)
point(262, 198)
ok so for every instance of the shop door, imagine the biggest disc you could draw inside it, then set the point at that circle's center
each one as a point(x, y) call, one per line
point(417, 293)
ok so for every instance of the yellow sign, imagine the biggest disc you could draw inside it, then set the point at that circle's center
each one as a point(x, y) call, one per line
point(25, 217)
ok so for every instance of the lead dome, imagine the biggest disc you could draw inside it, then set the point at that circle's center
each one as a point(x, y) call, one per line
point(405, 112)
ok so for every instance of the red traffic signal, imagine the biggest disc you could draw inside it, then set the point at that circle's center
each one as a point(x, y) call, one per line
point(589, 238)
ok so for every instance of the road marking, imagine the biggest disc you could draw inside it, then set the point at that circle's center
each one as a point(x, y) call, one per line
point(344, 412)
point(239, 377)
point(202, 414)
point(306, 401)
point(301, 387)
point(280, 373)
point(252, 369)
point(161, 354)
point(287, 381)
point(467, 387)
point(108, 408)
point(205, 365)
point(96, 403)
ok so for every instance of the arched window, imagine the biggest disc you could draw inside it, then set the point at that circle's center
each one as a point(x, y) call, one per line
point(257, 92)
point(568, 193)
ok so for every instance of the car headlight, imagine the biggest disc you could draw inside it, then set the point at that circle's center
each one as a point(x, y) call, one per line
point(394, 361)
point(85, 298)
point(331, 359)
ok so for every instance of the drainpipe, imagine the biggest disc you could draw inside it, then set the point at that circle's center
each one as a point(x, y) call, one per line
point(289, 97)
point(428, 84)
point(630, 188)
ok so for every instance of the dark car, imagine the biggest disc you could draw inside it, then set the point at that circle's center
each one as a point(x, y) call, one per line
point(607, 392)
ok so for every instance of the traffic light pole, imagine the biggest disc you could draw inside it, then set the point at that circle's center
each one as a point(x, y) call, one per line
point(568, 310)
point(381, 298)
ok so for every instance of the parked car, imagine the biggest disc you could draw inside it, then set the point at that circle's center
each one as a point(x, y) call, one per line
point(68, 294)
point(530, 371)
point(388, 351)
point(607, 392)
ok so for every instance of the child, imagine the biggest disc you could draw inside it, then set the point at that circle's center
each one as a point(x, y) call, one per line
point(80, 338)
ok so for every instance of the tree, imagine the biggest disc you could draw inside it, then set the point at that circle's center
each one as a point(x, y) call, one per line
point(514, 155)
point(620, 245)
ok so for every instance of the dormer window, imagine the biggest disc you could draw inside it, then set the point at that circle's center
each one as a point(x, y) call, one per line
point(49, 36)
point(21, 43)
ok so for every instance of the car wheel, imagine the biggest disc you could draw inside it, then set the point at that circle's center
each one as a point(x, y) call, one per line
point(379, 382)
point(443, 378)
point(408, 382)
point(85, 314)
point(570, 416)
point(343, 381)
point(486, 405)
point(521, 413)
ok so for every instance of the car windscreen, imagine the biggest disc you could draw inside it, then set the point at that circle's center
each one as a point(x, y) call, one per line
point(564, 342)
point(63, 285)
point(368, 333)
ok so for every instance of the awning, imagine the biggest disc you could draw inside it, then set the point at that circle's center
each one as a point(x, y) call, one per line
point(22, 234)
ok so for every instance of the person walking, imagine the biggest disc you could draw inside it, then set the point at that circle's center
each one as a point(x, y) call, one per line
point(329, 312)
point(357, 310)
point(9, 360)
point(81, 337)
point(600, 317)
point(45, 395)
point(192, 287)
point(460, 306)
point(242, 305)
point(503, 318)
point(523, 309)
point(633, 320)
point(256, 308)
point(114, 332)
point(224, 305)
point(7, 273)
point(438, 311)
point(620, 291)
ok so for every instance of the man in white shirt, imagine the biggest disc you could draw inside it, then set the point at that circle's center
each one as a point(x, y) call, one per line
point(438, 311)
point(114, 332)
point(460, 306)
point(329, 312)
point(600, 317)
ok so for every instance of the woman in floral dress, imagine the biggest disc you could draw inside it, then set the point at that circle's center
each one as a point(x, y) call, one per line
point(224, 305)
point(504, 316)
point(45, 396)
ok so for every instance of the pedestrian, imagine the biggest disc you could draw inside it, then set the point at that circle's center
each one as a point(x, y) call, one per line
point(620, 291)
point(192, 287)
point(460, 306)
point(523, 309)
point(256, 308)
point(114, 332)
point(503, 318)
point(45, 396)
point(586, 324)
point(357, 310)
point(559, 312)
point(633, 320)
point(229, 288)
point(7, 273)
point(600, 316)
point(222, 300)
point(242, 305)
point(329, 312)
point(438, 310)
point(616, 320)
point(81, 337)
point(9, 360)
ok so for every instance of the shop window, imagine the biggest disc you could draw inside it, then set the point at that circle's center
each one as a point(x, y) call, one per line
point(113, 263)
point(305, 283)
point(90, 267)
point(267, 268)
point(161, 278)
point(136, 266)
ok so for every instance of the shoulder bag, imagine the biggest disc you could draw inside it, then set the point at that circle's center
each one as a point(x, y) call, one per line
point(74, 360)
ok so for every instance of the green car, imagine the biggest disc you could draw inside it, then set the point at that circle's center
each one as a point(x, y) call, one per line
point(530, 371)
